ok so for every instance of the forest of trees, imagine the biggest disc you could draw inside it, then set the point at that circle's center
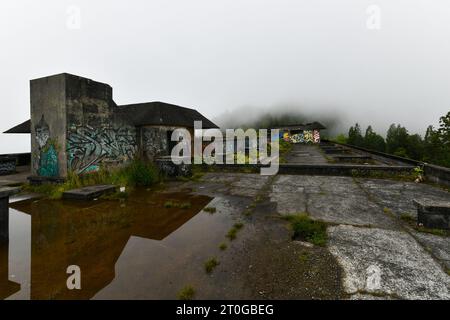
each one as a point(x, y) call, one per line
point(434, 147)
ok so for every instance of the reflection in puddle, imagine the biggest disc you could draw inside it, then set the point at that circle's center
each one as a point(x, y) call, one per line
point(132, 249)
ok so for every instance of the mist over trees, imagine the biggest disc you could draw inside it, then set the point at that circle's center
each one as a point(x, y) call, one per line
point(251, 117)
point(434, 147)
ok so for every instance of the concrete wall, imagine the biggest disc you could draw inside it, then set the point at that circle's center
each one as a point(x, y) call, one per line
point(154, 141)
point(96, 133)
point(77, 127)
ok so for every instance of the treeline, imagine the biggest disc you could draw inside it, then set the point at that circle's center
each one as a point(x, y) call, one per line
point(434, 147)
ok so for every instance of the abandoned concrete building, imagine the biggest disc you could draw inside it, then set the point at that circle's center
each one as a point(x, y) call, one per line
point(76, 126)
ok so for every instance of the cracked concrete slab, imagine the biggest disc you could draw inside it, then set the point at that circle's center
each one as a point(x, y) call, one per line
point(398, 196)
point(386, 262)
point(438, 245)
point(351, 209)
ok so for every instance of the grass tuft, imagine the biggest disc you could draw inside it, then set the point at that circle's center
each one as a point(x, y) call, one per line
point(210, 210)
point(306, 229)
point(173, 204)
point(407, 218)
point(187, 293)
point(223, 246)
point(210, 264)
point(232, 233)
point(136, 173)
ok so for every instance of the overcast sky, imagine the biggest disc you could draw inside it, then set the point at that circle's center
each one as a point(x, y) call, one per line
point(220, 55)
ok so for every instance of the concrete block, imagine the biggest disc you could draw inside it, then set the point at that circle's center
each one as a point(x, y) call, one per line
point(433, 214)
point(88, 193)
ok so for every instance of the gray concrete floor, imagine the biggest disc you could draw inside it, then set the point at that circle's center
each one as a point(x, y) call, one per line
point(381, 255)
point(306, 154)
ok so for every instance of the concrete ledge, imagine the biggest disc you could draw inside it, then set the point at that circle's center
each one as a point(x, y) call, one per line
point(88, 193)
point(343, 169)
point(6, 192)
point(36, 180)
point(437, 174)
point(351, 158)
point(433, 214)
point(325, 169)
point(433, 173)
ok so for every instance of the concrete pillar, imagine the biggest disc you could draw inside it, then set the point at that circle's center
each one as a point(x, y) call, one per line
point(4, 212)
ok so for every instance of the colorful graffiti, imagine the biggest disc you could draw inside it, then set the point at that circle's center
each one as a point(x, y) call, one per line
point(87, 147)
point(316, 136)
point(46, 164)
point(297, 138)
point(306, 136)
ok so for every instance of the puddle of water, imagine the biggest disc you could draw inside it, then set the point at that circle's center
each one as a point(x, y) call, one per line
point(138, 248)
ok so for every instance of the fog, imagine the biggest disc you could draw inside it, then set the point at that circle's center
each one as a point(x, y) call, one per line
point(331, 61)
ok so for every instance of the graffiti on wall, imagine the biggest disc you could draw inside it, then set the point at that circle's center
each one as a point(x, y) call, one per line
point(46, 163)
point(7, 166)
point(316, 136)
point(307, 136)
point(155, 142)
point(87, 147)
point(297, 138)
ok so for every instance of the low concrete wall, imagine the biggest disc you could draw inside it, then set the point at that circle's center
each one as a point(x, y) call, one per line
point(433, 173)
point(344, 170)
point(326, 169)
point(437, 174)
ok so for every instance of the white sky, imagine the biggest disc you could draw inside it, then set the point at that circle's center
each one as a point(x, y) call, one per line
point(219, 55)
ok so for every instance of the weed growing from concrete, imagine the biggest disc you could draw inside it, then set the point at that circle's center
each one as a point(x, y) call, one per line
point(185, 205)
point(210, 264)
point(436, 232)
point(136, 173)
point(187, 293)
point(173, 204)
point(304, 256)
point(238, 225)
point(223, 246)
point(169, 204)
point(407, 218)
point(210, 210)
point(306, 229)
point(231, 235)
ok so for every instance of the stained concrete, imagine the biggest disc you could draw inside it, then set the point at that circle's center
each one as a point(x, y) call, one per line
point(306, 154)
point(407, 271)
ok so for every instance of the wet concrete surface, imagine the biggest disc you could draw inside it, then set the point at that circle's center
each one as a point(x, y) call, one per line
point(140, 249)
